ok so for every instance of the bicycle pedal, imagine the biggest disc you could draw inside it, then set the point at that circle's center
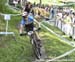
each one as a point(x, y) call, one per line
point(38, 29)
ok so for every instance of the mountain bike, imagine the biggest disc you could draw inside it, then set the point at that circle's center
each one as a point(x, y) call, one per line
point(36, 43)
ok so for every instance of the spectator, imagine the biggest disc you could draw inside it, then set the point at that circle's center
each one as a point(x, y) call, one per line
point(28, 7)
point(67, 26)
point(52, 13)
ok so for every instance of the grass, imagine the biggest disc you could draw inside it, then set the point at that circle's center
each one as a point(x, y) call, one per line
point(54, 28)
point(21, 50)
point(5, 9)
point(54, 47)
point(57, 31)
point(11, 50)
point(15, 51)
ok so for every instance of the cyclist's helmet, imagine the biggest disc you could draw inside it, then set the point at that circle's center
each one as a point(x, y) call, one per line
point(24, 14)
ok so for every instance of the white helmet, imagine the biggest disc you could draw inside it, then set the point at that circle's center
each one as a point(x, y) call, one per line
point(24, 14)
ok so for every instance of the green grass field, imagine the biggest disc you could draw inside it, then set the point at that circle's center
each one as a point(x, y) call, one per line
point(21, 49)
point(57, 31)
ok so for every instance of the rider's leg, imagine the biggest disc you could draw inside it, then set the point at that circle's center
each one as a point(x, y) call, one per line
point(38, 38)
point(38, 24)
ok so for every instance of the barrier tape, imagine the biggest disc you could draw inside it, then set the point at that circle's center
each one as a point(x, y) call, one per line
point(63, 55)
point(10, 14)
point(63, 40)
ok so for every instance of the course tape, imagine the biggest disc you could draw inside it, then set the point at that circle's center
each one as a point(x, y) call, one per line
point(63, 40)
point(10, 14)
point(63, 55)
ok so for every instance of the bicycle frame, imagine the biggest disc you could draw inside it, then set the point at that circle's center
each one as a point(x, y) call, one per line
point(35, 44)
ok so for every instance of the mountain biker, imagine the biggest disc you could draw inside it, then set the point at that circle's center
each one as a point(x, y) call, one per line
point(27, 22)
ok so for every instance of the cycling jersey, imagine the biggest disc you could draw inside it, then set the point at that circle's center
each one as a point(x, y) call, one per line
point(30, 20)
